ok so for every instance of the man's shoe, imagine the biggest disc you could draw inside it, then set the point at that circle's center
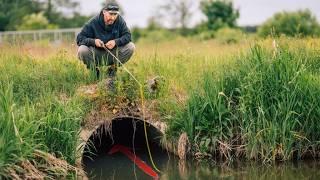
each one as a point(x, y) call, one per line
point(111, 78)
point(97, 73)
point(111, 71)
point(110, 84)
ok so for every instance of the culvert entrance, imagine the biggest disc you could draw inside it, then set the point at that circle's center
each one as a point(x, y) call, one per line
point(102, 158)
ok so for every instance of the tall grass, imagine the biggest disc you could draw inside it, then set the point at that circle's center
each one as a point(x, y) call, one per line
point(266, 108)
point(60, 126)
point(17, 129)
point(38, 109)
point(279, 104)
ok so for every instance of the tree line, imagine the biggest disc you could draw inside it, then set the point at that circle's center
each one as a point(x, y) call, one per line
point(219, 14)
point(40, 14)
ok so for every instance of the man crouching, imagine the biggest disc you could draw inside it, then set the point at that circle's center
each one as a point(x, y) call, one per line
point(106, 30)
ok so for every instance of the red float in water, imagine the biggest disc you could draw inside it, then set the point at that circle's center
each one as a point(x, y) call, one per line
point(141, 164)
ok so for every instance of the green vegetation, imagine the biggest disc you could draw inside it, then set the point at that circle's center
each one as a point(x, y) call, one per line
point(234, 100)
point(35, 21)
point(300, 23)
point(38, 111)
point(261, 105)
point(219, 13)
point(44, 14)
point(12, 12)
point(229, 35)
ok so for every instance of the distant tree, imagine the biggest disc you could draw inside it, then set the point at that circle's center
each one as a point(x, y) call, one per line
point(301, 23)
point(179, 12)
point(62, 13)
point(219, 13)
point(12, 12)
point(35, 21)
point(77, 20)
point(53, 8)
point(153, 23)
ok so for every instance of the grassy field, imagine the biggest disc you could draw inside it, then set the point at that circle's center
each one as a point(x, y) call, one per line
point(252, 99)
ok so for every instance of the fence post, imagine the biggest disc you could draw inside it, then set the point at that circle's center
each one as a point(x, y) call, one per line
point(34, 36)
point(76, 32)
point(55, 39)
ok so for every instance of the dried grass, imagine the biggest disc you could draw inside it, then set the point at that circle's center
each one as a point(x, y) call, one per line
point(45, 166)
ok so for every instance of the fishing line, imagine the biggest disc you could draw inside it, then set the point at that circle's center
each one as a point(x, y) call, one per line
point(142, 104)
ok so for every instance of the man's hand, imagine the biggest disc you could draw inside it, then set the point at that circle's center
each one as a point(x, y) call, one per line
point(99, 43)
point(111, 44)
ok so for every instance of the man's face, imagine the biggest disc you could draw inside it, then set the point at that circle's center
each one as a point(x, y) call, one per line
point(109, 17)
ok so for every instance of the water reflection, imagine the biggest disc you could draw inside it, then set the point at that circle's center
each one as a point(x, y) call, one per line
point(190, 170)
point(119, 166)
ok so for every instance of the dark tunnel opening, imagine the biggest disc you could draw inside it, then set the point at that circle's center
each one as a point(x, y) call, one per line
point(129, 133)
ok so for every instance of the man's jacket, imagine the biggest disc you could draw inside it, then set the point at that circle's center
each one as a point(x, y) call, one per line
point(95, 28)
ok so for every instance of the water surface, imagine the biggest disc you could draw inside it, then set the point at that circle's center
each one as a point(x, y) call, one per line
point(118, 166)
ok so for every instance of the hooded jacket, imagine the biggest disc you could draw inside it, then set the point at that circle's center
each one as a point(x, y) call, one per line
point(95, 28)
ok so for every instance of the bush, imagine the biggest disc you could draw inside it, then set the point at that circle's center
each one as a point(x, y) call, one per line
point(228, 35)
point(206, 35)
point(35, 21)
point(300, 23)
point(158, 35)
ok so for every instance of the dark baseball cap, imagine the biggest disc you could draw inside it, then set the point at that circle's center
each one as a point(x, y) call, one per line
point(112, 7)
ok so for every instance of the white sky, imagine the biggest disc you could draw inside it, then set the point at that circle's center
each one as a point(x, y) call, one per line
point(252, 12)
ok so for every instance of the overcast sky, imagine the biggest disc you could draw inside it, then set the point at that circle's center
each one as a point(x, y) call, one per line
point(252, 12)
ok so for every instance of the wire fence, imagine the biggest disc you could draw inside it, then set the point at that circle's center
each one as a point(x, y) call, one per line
point(54, 36)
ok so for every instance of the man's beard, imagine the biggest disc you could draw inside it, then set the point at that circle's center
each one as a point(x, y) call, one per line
point(109, 22)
